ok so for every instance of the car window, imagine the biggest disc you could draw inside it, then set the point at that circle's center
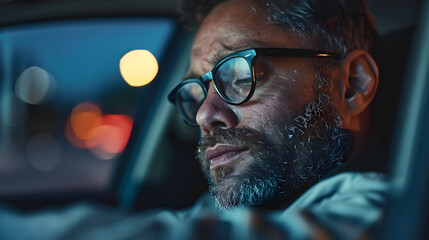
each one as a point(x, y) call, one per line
point(66, 113)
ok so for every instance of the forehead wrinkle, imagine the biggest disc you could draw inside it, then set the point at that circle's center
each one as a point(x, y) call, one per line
point(223, 51)
point(226, 49)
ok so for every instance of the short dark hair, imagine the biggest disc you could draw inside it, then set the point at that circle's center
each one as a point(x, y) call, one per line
point(334, 25)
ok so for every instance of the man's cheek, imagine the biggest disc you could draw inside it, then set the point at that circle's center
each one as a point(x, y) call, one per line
point(270, 127)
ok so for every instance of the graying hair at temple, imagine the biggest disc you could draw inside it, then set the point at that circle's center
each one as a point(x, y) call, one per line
point(332, 25)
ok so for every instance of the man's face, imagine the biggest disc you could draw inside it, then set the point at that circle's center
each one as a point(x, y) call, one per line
point(268, 150)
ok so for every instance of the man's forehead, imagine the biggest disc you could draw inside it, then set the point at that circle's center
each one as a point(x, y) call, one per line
point(222, 47)
point(210, 55)
point(234, 26)
point(229, 25)
point(205, 54)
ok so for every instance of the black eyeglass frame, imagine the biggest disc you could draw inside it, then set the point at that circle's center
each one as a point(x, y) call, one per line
point(249, 55)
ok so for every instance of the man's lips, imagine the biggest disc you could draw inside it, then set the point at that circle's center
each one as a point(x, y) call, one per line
point(222, 154)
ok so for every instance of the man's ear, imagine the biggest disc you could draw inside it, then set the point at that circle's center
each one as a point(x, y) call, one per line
point(361, 81)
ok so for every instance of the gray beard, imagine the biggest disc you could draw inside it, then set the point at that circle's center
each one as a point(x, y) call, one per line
point(310, 146)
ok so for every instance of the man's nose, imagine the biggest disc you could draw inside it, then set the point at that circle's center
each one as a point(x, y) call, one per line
point(215, 113)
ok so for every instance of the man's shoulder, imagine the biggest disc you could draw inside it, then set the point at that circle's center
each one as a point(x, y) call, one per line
point(349, 201)
point(347, 204)
point(349, 187)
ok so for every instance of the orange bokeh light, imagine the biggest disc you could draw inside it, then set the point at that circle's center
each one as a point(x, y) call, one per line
point(83, 124)
point(88, 128)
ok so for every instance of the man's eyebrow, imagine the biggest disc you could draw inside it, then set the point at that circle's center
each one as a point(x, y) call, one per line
point(225, 51)
point(229, 49)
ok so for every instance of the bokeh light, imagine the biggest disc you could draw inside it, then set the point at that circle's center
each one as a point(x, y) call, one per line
point(83, 124)
point(115, 133)
point(138, 67)
point(34, 85)
point(43, 152)
point(85, 120)
point(105, 136)
point(96, 152)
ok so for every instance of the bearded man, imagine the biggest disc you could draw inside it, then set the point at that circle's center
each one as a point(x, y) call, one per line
point(280, 91)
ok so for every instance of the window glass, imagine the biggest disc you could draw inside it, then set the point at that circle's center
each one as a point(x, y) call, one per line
point(66, 113)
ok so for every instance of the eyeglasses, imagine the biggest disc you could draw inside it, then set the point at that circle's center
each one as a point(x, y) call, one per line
point(233, 79)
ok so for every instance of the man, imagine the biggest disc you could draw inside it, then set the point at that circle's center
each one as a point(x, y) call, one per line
point(280, 90)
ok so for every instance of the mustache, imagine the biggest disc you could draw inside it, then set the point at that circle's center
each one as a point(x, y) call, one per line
point(236, 136)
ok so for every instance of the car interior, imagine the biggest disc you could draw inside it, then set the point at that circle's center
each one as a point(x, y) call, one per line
point(72, 130)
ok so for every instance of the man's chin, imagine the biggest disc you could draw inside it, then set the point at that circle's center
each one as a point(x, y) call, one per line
point(239, 191)
point(241, 183)
point(226, 192)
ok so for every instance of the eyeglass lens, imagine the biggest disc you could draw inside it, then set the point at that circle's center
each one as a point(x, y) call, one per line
point(189, 99)
point(234, 79)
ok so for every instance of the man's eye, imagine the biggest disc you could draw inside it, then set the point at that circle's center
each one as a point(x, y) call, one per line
point(243, 82)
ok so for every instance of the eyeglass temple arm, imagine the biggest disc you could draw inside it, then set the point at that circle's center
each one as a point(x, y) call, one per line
point(291, 52)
